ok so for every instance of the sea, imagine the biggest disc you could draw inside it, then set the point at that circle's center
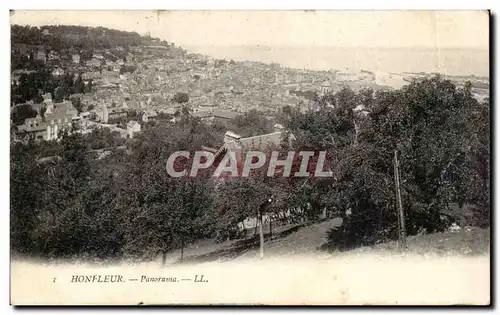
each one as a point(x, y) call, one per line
point(460, 62)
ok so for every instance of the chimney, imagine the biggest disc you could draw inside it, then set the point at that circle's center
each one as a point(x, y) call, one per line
point(231, 136)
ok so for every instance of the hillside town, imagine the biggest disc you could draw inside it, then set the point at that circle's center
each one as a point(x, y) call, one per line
point(127, 87)
point(328, 147)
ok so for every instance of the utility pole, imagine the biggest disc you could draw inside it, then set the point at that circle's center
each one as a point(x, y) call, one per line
point(261, 225)
point(261, 232)
point(399, 205)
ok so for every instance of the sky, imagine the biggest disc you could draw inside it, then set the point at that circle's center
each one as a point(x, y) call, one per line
point(369, 29)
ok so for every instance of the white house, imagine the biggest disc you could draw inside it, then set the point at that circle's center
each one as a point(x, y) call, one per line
point(347, 75)
point(57, 72)
point(75, 58)
point(148, 115)
point(133, 127)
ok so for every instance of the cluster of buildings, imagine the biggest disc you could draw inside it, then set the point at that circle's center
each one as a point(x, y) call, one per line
point(53, 119)
point(50, 124)
point(141, 83)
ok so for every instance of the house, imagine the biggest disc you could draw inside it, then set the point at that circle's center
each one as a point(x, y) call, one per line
point(46, 104)
point(235, 143)
point(41, 55)
point(346, 76)
point(93, 63)
point(157, 49)
point(100, 114)
point(216, 115)
point(122, 132)
point(85, 115)
point(75, 58)
point(62, 107)
point(59, 117)
point(148, 115)
point(169, 111)
point(57, 123)
point(16, 75)
point(91, 75)
point(110, 76)
point(57, 72)
point(53, 55)
point(88, 99)
point(47, 96)
point(108, 85)
point(117, 114)
point(133, 104)
point(326, 87)
point(33, 128)
point(360, 109)
point(133, 127)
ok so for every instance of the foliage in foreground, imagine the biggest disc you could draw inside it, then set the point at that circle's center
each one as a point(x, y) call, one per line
point(125, 205)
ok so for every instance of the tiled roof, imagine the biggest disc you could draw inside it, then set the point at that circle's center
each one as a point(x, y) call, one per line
point(216, 113)
point(225, 114)
point(32, 124)
point(150, 113)
point(132, 123)
point(64, 106)
point(262, 141)
point(203, 114)
point(116, 110)
point(133, 104)
point(88, 97)
point(61, 111)
point(55, 116)
point(36, 107)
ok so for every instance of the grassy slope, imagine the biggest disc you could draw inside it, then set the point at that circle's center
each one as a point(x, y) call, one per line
point(306, 240)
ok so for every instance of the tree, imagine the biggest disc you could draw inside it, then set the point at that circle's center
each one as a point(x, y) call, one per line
point(79, 85)
point(238, 199)
point(25, 186)
point(43, 110)
point(86, 55)
point(67, 200)
point(181, 97)
point(430, 123)
point(60, 93)
point(20, 113)
point(251, 123)
point(88, 87)
point(165, 213)
point(127, 68)
point(427, 123)
point(77, 104)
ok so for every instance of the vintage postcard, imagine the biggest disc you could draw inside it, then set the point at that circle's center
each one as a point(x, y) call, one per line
point(250, 158)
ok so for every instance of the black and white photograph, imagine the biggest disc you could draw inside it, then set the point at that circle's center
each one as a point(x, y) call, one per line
point(270, 157)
